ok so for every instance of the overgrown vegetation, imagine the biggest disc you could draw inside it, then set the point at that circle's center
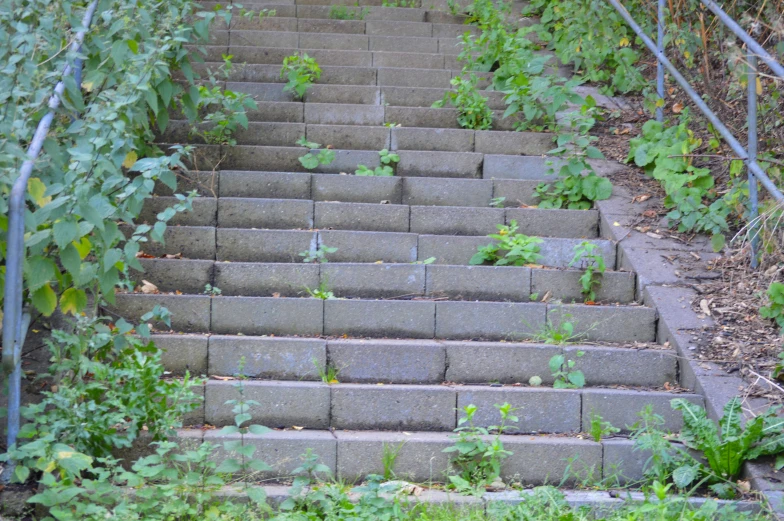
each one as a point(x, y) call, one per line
point(472, 110)
point(565, 376)
point(588, 256)
point(388, 160)
point(318, 255)
point(311, 160)
point(300, 72)
point(510, 248)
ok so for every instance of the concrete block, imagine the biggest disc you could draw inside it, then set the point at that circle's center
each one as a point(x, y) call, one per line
point(388, 361)
point(282, 450)
point(545, 460)
point(539, 409)
point(441, 17)
point(203, 213)
point(393, 407)
point(206, 184)
point(185, 275)
point(622, 463)
point(516, 192)
point(555, 223)
point(272, 185)
point(331, 26)
point(322, 56)
point(374, 280)
point(189, 313)
point(518, 167)
point(274, 159)
point(422, 117)
point(237, 212)
point(466, 165)
point(336, 75)
point(241, 245)
point(606, 323)
point(264, 38)
point(425, 191)
point(621, 407)
point(516, 143)
point(449, 30)
point(362, 217)
point(357, 189)
point(333, 114)
point(495, 283)
point(411, 96)
point(408, 59)
point(350, 137)
point(455, 220)
point(467, 320)
point(624, 366)
point(444, 139)
point(398, 44)
point(284, 111)
point(270, 134)
point(399, 77)
point(281, 404)
point(420, 458)
point(343, 94)
point(449, 249)
point(370, 246)
point(398, 28)
point(265, 94)
point(564, 285)
point(397, 13)
point(252, 279)
point(505, 362)
point(267, 357)
point(558, 252)
point(379, 318)
point(347, 161)
point(183, 353)
point(192, 242)
point(349, 42)
point(449, 45)
point(267, 316)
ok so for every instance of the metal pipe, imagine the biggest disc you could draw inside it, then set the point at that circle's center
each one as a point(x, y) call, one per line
point(751, 43)
point(739, 150)
point(15, 321)
point(659, 66)
point(751, 78)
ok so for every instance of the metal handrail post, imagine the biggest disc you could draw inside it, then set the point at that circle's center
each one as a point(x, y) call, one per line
point(15, 320)
point(659, 66)
point(751, 78)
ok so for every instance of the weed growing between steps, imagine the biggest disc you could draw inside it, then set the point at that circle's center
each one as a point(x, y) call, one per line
point(588, 256)
point(388, 160)
point(300, 72)
point(511, 249)
point(341, 12)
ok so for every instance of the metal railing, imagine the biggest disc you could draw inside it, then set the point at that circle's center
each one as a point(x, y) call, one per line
point(754, 52)
point(16, 319)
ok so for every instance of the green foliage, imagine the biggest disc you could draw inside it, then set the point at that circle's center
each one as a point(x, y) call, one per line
point(472, 110)
point(511, 249)
point(300, 71)
point(388, 161)
point(601, 428)
point(560, 333)
point(477, 459)
point(775, 309)
point(588, 256)
point(310, 160)
point(564, 374)
point(319, 255)
point(322, 291)
point(413, 4)
point(539, 97)
point(225, 109)
point(108, 390)
point(341, 12)
point(389, 457)
point(663, 152)
point(212, 291)
point(429, 260)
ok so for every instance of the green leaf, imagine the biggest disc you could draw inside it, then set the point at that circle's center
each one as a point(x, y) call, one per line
point(73, 301)
point(133, 46)
point(45, 300)
point(65, 231)
point(257, 495)
point(39, 271)
point(718, 241)
point(594, 153)
point(684, 476)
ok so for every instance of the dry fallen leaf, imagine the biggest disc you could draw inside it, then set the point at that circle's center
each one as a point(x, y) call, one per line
point(224, 378)
point(641, 198)
point(276, 295)
point(649, 213)
point(704, 307)
point(653, 235)
point(677, 108)
point(744, 486)
point(148, 287)
point(142, 255)
point(297, 427)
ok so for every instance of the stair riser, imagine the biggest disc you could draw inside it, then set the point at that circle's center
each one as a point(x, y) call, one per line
point(380, 281)
point(229, 212)
point(409, 362)
point(324, 25)
point(449, 320)
point(355, 137)
point(432, 408)
point(367, 13)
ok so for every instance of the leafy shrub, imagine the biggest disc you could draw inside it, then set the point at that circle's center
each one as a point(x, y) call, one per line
point(300, 71)
point(588, 255)
point(341, 12)
point(472, 110)
point(310, 160)
point(775, 309)
point(564, 374)
point(539, 98)
point(512, 249)
point(387, 168)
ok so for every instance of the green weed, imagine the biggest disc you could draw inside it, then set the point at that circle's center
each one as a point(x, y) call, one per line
point(564, 374)
point(588, 255)
point(511, 249)
point(310, 160)
point(300, 71)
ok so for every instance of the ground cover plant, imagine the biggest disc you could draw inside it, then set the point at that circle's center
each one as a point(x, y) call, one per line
point(510, 248)
point(300, 72)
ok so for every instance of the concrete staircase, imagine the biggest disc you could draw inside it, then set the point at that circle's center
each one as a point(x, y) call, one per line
point(414, 342)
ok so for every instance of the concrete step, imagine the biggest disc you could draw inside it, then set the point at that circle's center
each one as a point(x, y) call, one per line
point(352, 455)
point(410, 361)
point(349, 42)
point(394, 407)
point(367, 13)
point(283, 214)
point(253, 245)
point(376, 137)
point(423, 318)
point(324, 25)
point(413, 163)
point(352, 280)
